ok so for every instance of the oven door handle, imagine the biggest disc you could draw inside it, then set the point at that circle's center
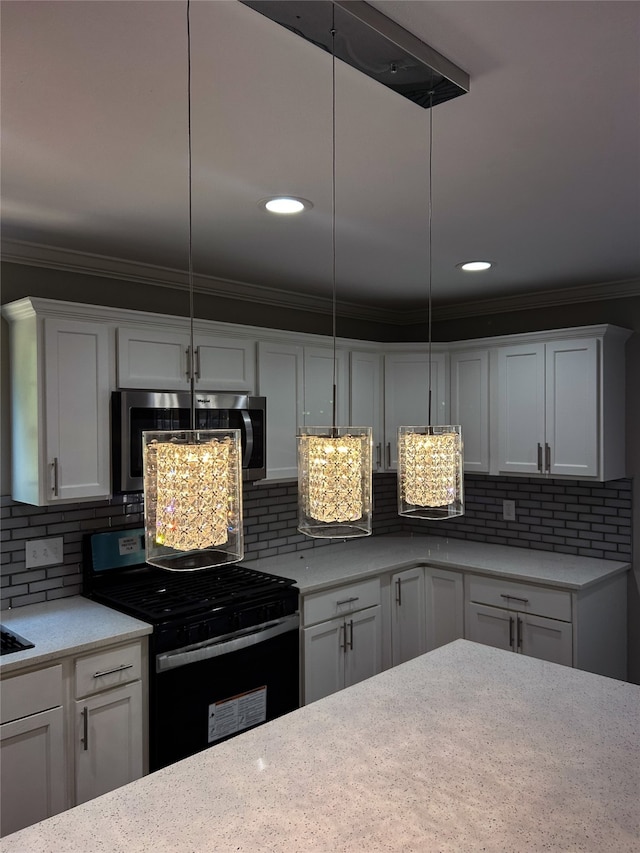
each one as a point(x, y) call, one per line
point(226, 645)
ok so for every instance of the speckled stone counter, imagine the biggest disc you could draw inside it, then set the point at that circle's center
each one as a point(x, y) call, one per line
point(467, 748)
point(68, 626)
point(319, 568)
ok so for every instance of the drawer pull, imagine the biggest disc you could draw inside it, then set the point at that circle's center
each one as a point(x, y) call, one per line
point(111, 671)
point(399, 592)
point(519, 633)
point(85, 728)
point(514, 598)
point(351, 634)
point(347, 600)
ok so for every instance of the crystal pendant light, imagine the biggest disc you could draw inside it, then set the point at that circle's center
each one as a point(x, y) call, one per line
point(430, 458)
point(192, 478)
point(334, 463)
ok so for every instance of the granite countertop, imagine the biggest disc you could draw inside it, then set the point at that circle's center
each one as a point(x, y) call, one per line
point(319, 568)
point(67, 626)
point(465, 748)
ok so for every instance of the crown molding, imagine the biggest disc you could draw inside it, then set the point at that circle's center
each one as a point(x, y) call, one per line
point(84, 263)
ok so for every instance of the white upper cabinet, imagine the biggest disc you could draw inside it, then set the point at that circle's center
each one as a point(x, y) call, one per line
point(366, 395)
point(318, 387)
point(560, 406)
point(281, 381)
point(406, 395)
point(61, 375)
point(161, 360)
point(470, 406)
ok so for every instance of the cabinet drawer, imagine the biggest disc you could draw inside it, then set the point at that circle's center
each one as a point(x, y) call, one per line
point(108, 669)
point(553, 603)
point(340, 600)
point(30, 693)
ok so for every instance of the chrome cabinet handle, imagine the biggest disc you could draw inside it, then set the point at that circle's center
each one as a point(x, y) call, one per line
point(547, 457)
point(510, 632)
point(514, 598)
point(347, 600)
point(539, 457)
point(85, 728)
point(351, 635)
point(520, 633)
point(111, 671)
point(399, 592)
point(388, 454)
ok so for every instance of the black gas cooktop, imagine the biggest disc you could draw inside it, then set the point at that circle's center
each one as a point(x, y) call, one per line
point(12, 642)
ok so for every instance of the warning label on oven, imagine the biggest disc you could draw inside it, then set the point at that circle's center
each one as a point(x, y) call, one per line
point(237, 713)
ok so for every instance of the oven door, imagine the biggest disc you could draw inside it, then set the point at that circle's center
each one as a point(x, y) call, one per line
point(203, 694)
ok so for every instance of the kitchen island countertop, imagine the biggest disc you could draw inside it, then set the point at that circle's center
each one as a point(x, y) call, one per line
point(465, 748)
point(319, 568)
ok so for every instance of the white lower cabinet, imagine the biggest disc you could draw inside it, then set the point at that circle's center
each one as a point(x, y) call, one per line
point(524, 618)
point(444, 597)
point(108, 742)
point(341, 638)
point(71, 731)
point(32, 749)
point(408, 638)
point(108, 721)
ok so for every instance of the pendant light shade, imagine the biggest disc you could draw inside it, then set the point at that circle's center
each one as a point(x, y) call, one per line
point(334, 463)
point(430, 458)
point(192, 478)
point(334, 482)
point(192, 498)
point(430, 477)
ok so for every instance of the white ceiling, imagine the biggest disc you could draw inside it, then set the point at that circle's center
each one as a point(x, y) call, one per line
point(537, 168)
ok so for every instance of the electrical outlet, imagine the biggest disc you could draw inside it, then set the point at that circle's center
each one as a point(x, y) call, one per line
point(509, 510)
point(43, 552)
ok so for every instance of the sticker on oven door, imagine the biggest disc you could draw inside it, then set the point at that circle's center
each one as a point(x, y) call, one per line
point(237, 713)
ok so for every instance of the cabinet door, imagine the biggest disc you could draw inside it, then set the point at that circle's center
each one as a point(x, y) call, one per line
point(546, 639)
point(364, 645)
point(225, 364)
point(572, 417)
point(407, 615)
point(77, 388)
point(324, 654)
point(280, 380)
point(108, 744)
point(444, 595)
point(365, 389)
point(33, 770)
point(318, 387)
point(470, 406)
point(406, 396)
point(491, 626)
point(153, 359)
point(520, 412)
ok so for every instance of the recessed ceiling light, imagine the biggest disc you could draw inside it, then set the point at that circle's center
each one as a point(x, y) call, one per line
point(285, 204)
point(475, 266)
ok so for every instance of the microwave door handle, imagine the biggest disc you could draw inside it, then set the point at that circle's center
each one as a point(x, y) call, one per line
point(248, 431)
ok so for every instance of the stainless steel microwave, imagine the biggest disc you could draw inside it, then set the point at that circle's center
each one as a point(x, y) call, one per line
point(133, 411)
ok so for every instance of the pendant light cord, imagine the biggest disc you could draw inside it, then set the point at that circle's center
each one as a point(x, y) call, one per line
point(430, 229)
point(333, 212)
point(191, 357)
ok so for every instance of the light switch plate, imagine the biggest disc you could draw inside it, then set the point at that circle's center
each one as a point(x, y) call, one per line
point(509, 510)
point(43, 552)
